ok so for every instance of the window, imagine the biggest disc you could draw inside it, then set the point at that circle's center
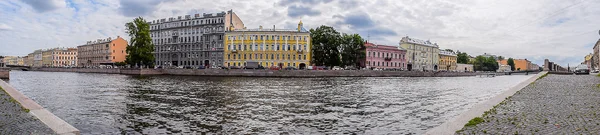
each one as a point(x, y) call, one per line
point(113, 57)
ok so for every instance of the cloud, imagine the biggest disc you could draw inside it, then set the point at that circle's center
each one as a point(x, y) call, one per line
point(5, 27)
point(296, 11)
point(45, 5)
point(359, 20)
point(307, 2)
point(135, 8)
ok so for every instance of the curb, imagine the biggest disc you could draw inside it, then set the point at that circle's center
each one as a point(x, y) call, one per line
point(58, 125)
point(451, 126)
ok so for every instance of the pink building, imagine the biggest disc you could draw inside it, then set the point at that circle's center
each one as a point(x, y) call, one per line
point(384, 57)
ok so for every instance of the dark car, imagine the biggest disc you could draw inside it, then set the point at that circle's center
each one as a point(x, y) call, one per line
point(188, 67)
point(201, 67)
point(582, 69)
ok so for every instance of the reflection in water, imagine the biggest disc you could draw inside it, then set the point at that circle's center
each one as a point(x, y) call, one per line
point(113, 104)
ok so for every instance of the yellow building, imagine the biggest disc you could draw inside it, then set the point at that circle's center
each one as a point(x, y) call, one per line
point(447, 60)
point(268, 47)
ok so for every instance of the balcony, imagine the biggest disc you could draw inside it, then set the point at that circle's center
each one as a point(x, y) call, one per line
point(299, 51)
point(175, 34)
point(387, 59)
point(234, 51)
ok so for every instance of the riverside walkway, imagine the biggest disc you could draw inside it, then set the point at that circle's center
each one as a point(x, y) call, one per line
point(555, 104)
point(15, 120)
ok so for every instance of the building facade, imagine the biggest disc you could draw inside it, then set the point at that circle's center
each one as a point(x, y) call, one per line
point(268, 47)
point(63, 57)
point(14, 60)
point(588, 60)
point(595, 61)
point(192, 40)
point(384, 57)
point(421, 55)
point(447, 61)
point(521, 64)
point(101, 52)
point(464, 67)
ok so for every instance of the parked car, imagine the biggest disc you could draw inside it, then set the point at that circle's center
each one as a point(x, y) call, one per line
point(274, 68)
point(582, 69)
point(188, 67)
point(201, 67)
point(351, 68)
point(337, 68)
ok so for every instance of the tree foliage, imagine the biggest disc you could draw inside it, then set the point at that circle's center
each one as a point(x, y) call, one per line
point(353, 49)
point(500, 57)
point(462, 58)
point(139, 50)
point(326, 42)
point(482, 63)
point(511, 63)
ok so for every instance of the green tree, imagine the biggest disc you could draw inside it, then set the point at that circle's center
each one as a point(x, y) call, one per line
point(462, 58)
point(139, 50)
point(482, 63)
point(353, 49)
point(511, 63)
point(326, 42)
point(500, 58)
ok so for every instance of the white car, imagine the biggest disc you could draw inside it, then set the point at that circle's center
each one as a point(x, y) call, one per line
point(337, 68)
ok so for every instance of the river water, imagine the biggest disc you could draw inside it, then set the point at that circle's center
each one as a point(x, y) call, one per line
point(122, 104)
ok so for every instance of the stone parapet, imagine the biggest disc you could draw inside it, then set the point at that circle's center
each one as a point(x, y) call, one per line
point(4, 73)
point(55, 123)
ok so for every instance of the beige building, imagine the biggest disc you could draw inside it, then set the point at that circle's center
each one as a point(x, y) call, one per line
point(464, 67)
point(60, 57)
point(13, 60)
point(421, 55)
point(102, 52)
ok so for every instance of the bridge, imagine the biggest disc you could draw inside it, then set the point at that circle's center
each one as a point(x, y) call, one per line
point(17, 67)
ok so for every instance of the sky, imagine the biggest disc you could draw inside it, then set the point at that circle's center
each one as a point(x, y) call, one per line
point(563, 31)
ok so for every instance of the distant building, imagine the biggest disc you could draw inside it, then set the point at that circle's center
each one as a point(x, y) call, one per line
point(447, 60)
point(588, 60)
point(464, 67)
point(422, 55)
point(595, 61)
point(192, 40)
point(63, 57)
point(268, 47)
point(384, 56)
point(521, 64)
point(102, 52)
point(504, 68)
point(13, 60)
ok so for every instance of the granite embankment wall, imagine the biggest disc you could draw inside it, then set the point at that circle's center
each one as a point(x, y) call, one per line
point(261, 73)
point(104, 71)
point(4, 73)
point(310, 73)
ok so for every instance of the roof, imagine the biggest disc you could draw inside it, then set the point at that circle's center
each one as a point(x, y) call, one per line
point(448, 53)
point(367, 44)
point(418, 41)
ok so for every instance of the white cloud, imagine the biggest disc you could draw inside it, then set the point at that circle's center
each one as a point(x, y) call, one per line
point(5, 27)
point(563, 31)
